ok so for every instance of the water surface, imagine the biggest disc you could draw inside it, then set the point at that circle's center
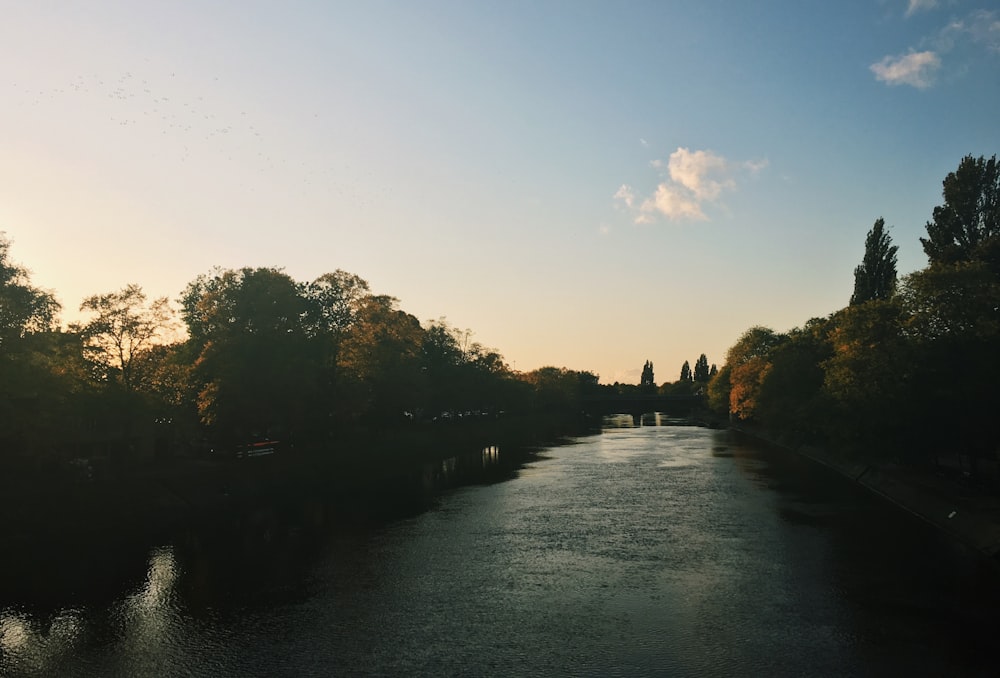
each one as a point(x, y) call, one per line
point(652, 550)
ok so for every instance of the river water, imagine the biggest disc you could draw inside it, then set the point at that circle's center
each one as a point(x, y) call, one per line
point(645, 550)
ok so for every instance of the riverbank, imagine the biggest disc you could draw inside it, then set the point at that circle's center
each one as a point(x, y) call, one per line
point(970, 515)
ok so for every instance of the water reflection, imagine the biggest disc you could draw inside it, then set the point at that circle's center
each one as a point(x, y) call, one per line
point(613, 421)
point(491, 456)
point(34, 645)
point(147, 614)
point(141, 629)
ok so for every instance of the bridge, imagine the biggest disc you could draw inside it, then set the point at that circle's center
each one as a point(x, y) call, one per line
point(637, 405)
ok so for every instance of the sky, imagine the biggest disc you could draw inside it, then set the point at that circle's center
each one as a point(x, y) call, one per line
point(581, 184)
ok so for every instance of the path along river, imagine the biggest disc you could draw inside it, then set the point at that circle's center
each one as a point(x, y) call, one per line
point(653, 550)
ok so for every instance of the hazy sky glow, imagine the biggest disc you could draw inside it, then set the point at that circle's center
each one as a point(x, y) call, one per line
point(582, 184)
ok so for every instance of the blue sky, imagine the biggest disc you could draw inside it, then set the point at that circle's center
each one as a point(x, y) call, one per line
point(581, 184)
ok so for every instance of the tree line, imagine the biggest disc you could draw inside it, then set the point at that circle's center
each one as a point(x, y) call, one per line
point(908, 369)
point(250, 354)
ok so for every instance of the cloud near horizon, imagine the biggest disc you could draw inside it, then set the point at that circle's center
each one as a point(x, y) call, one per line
point(916, 69)
point(694, 179)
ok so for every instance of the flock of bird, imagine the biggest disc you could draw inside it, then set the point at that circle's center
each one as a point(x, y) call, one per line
point(169, 117)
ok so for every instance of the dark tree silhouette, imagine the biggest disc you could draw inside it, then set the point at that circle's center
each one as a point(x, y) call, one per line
point(966, 227)
point(686, 372)
point(647, 378)
point(24, 309)
point(701, 372)
point(875, 278)
point(123, 329)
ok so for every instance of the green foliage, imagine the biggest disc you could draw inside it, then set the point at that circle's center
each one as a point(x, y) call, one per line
point(686, 374)
point(719, 388)
point(875, 278)
point(869, 376)
point(791, 397)
point(957, 300)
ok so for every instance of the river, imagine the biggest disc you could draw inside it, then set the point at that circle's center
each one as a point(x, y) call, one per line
point(641, 551)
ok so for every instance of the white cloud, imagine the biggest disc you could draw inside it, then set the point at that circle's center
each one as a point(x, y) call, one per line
point(915, 6)
point(916, 69)
point(701, 172)
point(625, 194)
point(692, 180)
point(672, 202)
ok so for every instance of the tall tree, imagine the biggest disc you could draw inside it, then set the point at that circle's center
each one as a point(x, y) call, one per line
point(875, 278)
point(122, 331)
point(647, 378)
point(967, 226)
point(701, 371)
point(686, 372)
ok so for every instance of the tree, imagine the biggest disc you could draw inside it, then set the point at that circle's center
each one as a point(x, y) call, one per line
point(254, 367)
point(332, 303)
point(701, 371)
point(381, 356)
point(719, 389)
point(122, 331)
point(24, 309)
point(686, 372)
point(953, 303)
point(444, 362)
point(967, 226)
point(954, 329)
point(33, 394)
point(747, 365)
point(333, 300)
point(791, 401)
point(557, 389)
point(875, 278)
point(647, 378)
point(869, 377)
